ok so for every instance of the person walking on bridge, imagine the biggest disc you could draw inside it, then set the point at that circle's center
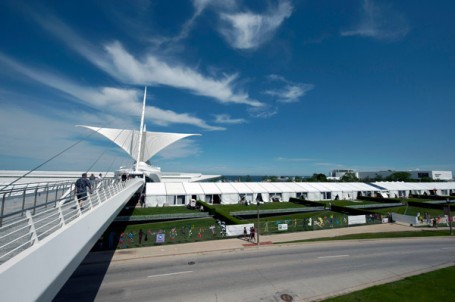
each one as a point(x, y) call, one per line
point(81, 186)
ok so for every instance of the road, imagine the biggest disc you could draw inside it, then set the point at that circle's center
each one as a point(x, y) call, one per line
point(293, 272)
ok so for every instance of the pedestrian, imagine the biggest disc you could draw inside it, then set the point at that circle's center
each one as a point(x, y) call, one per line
point(140, 236)
point(245, 233)
point(142, 200)
point(81, 186)
point(92, 181)
point(252, 234)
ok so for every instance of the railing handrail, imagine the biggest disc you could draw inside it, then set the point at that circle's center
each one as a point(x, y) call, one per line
point(42, 224)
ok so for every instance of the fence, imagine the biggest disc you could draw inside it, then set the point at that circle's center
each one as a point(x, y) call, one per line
point(153, 234)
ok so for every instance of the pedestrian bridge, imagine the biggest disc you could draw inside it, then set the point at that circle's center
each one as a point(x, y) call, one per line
point(43, 240)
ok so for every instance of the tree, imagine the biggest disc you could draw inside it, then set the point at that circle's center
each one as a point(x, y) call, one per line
point(399, 176)
point(318, 177)
point(349, 177)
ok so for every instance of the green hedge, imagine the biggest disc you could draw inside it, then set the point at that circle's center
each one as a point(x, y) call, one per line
point(219, 213)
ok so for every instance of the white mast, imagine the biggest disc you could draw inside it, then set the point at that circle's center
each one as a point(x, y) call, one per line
point(141, 132)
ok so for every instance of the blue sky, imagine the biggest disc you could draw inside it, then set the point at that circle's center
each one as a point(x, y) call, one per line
point(274, 87)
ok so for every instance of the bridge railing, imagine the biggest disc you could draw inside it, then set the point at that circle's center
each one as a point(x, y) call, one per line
point(16, 199)
point(22, 233)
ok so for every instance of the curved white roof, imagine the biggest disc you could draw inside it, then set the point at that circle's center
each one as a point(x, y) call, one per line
point(128, 140)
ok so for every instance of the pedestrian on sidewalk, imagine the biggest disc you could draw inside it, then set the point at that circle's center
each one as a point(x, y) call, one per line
point(140, 236)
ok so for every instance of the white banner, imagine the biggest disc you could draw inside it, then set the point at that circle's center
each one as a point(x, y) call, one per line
point(283, 227)
point(358, 219)
point(237, 230)
point(405, 219)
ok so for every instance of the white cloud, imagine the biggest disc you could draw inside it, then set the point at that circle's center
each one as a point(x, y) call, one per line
point(262, 112)
point(291, 92)
point(380, 22)
point(39, 137)
point(180, 149)
point(153, 70)
point(226, 119)
point(125, 67)
point(248, 30)
point(116, 101)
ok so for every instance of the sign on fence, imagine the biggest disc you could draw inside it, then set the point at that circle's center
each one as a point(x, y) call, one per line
point(357, 219)
point(237, 230)
point(160, 238)
point(283, 227)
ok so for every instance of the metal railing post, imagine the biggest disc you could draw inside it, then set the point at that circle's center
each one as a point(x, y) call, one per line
point(34, 239)
point(98, 197)
point(60, 215)
point(3, 209)
point(56, 196)
point(78, 205)
point(34, 202)
point(47, 195)
point(89, 197)
point(23, 201)
point(109, 194)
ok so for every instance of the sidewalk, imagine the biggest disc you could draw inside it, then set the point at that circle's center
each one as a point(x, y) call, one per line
point(238, 244)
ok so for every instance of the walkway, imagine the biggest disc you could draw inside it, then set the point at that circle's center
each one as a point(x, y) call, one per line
point(237, 244)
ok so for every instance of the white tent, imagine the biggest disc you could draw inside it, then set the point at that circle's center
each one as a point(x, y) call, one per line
point(175, 193)
point(194, 191)
point(155, 194)
point(159, 194)
point(212, 192)
point(229, 195)
point(244, 191)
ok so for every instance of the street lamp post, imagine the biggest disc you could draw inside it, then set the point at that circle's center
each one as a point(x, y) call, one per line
point(257, 229)
point(450, 216)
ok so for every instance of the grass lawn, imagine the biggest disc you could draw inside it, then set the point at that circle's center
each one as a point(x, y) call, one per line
point(344, 203)
point(263, 206)
point(411, 211)
point(162, 210)
point(422, 233)
point(432, 286)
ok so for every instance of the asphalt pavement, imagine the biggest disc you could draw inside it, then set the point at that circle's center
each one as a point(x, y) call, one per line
point(238, 243)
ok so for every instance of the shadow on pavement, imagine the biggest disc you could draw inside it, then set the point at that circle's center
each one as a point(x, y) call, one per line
point(85, 282)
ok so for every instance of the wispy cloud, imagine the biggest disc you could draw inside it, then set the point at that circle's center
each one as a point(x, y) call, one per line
point(379, 21)
point(122, 65)
point(248, 30)
point(181, 149)
point(291, 92)
point(153, 70)
point(118, 101)
point(48, 136)
point(262, 112)
point(226, 119)
point(199, 7)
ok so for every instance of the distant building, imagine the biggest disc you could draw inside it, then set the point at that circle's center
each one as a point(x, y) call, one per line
point(339, 173)
point(414, 174)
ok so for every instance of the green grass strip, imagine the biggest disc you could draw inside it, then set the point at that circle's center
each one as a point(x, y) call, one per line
point(432, 286)
point(422, 233)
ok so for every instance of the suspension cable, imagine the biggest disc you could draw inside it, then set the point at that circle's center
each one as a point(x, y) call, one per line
point(53, 157)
